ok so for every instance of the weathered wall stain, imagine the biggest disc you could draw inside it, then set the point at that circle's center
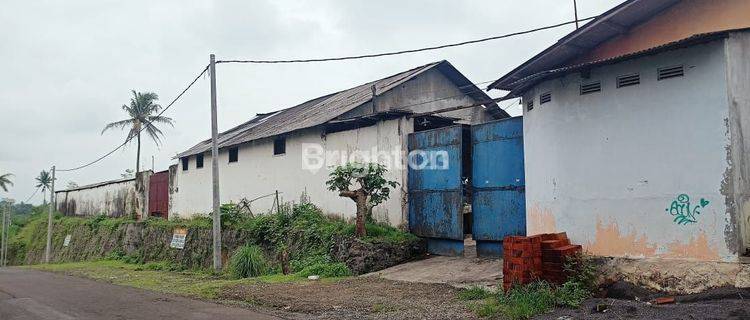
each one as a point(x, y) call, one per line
point(696, 248)
point(539, 220)
point(683, 212)
point(609, 241)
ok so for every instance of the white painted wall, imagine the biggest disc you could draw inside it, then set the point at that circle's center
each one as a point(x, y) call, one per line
point(605, 167)
point(258, 172)
point(115, 199)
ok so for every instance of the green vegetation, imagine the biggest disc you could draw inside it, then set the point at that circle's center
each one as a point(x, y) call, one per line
point(192, 284)
point(475, 293)
point(326, 270)
point(524, 302)
point(43, 181)
point(248, 261)
point(297, 239)
point(373, 188)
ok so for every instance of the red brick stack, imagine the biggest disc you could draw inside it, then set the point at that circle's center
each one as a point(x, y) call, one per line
point(522, 260)
point(556, 248)
point(526, 259)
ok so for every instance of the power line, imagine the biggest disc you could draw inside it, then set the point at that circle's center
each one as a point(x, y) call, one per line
point(32, 195)
point(393, 53)
point(142, 128)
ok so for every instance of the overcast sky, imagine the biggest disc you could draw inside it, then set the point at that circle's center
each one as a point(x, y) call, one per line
point(68, 66)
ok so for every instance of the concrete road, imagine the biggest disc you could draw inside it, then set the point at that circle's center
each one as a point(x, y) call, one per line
point(28, 294)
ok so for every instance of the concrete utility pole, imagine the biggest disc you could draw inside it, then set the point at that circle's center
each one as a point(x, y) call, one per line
point(6, 233)
point(48, 249)
point(4, 238)
point(215, 166)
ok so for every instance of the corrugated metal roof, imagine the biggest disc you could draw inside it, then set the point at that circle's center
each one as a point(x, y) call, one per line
point(522, 84)
point(326, 108)
point(609, 24)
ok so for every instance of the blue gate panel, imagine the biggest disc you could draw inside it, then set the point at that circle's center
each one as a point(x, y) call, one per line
point(432, 178)
point(435, 189)
point(498, 194)
point(498, 214)
point(435, 214)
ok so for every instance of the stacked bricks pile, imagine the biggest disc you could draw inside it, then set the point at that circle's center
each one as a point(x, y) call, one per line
point(539, 257)
point(522, 260)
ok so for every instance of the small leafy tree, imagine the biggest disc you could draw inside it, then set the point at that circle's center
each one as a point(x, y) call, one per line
point(371, 187)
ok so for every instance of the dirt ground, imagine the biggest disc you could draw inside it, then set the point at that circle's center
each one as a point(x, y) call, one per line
point(629, 309)
point(356, 298)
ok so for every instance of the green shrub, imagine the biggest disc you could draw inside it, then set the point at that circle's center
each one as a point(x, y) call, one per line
point(475, 293)
point(582, 270)
point(524, 302)
point(163, 266)
point(116, 254)
point(326, 270)
point(571, 295)
point(298, 264)
point(248, 261)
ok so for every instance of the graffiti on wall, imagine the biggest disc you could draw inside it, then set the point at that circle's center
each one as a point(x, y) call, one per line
point(685, 213)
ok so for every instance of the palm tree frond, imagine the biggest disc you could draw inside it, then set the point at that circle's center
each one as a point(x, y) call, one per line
point(122, 124)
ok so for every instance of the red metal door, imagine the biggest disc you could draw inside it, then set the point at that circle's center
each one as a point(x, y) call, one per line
point(158, 194)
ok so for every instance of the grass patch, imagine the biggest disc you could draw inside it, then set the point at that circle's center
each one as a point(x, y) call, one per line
point(326, 270)
point(475, 293)
point(524, 302)
point(191, 284)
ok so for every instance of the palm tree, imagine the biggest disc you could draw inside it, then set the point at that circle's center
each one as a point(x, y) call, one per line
point(5, 181)
point(44, 180)
point(143, 114)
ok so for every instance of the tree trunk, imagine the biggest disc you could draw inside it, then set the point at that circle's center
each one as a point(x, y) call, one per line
point(44, 197)
point(138, 155)
point(360, 198)
point(361, 201)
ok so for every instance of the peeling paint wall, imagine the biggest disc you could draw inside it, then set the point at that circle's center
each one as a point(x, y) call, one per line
point(634, 171)
point(116, 199)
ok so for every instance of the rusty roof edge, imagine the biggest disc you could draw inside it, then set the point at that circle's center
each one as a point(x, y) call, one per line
point(502, 82)
point(199, 148)
point(528, 81)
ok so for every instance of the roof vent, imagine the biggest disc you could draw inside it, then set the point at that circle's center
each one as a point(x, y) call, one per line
point(671, 72)
point(628, 80)
point(591, 87)
point(545, 97)
point(529, 104)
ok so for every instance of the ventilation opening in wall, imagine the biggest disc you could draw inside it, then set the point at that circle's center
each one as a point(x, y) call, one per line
point(529, 104)
point(545, 97)
point(591, 87)
point(628, 80)
point(671, 72)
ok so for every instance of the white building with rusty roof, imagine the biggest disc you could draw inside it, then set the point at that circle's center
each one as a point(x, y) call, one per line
point(291, 150)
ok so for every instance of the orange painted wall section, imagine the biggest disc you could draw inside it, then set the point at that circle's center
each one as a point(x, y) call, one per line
point(680, 21)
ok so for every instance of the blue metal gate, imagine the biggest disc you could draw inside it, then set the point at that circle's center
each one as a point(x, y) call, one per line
point(498, 184)
point(435, 187)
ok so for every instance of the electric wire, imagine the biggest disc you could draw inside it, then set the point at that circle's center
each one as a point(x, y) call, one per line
point(32, 195)
point(356, 57)
point(393, 53)
point(142, 128)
